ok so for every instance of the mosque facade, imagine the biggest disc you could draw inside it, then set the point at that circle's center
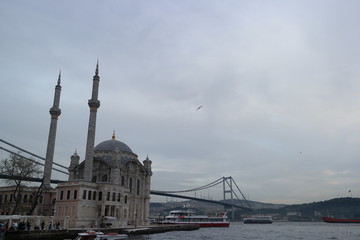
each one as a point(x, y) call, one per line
point(110, 187)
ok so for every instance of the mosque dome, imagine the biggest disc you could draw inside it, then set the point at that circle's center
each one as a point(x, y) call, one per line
point(112, 145)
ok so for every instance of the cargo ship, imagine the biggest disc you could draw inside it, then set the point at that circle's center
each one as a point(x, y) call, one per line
point(340, 220)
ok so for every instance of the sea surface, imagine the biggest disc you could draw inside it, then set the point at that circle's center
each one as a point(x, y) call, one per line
point(274, 231)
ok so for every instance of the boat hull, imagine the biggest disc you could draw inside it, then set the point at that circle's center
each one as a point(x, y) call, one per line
point(201, 224)
point(257, 222)
point(335, 220)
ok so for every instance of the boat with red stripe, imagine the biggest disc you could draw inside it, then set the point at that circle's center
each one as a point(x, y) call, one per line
point(189, 217)
point(340, 220)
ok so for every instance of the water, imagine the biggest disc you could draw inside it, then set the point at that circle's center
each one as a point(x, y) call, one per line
point(274, 231)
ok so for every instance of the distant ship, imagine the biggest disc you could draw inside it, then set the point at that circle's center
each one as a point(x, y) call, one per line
point(340, 220)
point(189, 217)
point(259, 219)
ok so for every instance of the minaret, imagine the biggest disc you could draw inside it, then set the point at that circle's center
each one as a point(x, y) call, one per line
point(94, 104)
point(55, 112)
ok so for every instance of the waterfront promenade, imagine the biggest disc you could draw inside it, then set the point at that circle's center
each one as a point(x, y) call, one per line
point(72, 233)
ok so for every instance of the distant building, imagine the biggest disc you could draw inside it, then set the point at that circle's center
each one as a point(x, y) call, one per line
point(298, 214)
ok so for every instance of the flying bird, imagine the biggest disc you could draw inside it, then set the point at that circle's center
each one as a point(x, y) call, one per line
point(199, 107)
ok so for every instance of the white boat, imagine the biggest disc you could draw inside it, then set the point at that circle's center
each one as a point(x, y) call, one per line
point(111, 236)
point(189, 217)
point(258, 219)
point(89, 235)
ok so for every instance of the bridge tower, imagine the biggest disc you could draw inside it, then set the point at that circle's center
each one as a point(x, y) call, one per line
point(228, 190)
point(55, 112)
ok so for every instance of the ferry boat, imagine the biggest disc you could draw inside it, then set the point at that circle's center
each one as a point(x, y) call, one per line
point(189, 217)
point(258, 219)
point(340, 220)
point(89, 235)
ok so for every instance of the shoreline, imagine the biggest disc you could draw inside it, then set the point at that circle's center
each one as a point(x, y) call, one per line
point(72, 233)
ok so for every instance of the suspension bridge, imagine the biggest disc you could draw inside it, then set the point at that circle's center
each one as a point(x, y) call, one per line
point(231, 193)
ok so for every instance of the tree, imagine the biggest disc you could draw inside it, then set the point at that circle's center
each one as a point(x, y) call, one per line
point(18, 168)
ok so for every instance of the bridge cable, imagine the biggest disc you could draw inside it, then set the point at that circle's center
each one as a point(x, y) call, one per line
point(238, 190)
point(23, 150)
point(31, 160)
point(212, 184)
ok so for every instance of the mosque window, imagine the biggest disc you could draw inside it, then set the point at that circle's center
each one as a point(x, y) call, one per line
point(84, 194)
point(122, 181)
point(130, 185)
point(75, 194)
point(68, 195)
point(100, 196)
point(113, 196)
point(138, 187)
point(89, 195)
point(94, 195)
point(104, 178)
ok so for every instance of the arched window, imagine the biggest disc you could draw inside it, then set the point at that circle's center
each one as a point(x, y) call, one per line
point(125, 198)
point(122, 181)
point(138, 187)
point(94, 179)
point(119, 195)
point(113, 196)
point(104, 178)
point(100, 196)
point(94, 195)
point(130, 185)
point(84, 194)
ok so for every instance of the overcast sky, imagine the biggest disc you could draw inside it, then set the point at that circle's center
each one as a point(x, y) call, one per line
point(279, 82)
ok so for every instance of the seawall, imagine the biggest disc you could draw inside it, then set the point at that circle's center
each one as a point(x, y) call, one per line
point(72, 233)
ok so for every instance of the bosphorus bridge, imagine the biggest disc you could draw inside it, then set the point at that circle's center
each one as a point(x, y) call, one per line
point(232, 195)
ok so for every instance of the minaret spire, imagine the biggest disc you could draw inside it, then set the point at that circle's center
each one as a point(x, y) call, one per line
point(97, 68)
point(94, 104)
point(59, 79)
point(55, 112)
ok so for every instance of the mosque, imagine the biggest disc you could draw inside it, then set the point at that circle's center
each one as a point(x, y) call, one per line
point(110, 187)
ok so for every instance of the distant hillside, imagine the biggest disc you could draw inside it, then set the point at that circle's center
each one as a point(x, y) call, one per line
point(338, 207)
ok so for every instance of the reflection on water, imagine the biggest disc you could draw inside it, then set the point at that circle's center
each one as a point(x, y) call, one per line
point(274, 231)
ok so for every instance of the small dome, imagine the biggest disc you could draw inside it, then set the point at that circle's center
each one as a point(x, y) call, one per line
point(112, 145)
